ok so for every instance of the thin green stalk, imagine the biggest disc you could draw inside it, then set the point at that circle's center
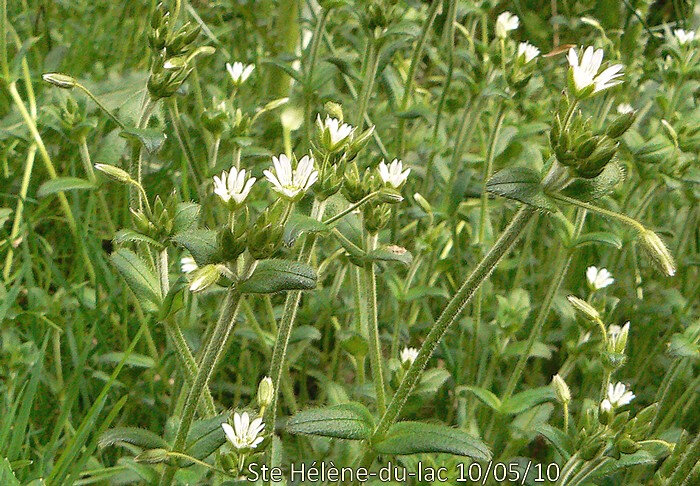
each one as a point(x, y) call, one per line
point(371, 62)
point(210, 358)
point(19, 210)
point(189, 365)
point(286, 324)
point(449, 44)
point(410, 76)
point(483, 214)
point(563, 260)
point(89, 171)
point(136, 160)
point(63, 201)
point(313, 54)
point(449, 315)
point(100, 105)
point(464, 134)
point(350, 208)
point(368, 283)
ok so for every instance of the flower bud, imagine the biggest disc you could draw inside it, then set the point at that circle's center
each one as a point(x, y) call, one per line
point(114, 173)
point(265, 236)
point(561, 389)
point(621, 124)
point(627, 446)
point(60, 80)
point(204, 277)
point(266, 391)
point(584, 308)
point(657, 251)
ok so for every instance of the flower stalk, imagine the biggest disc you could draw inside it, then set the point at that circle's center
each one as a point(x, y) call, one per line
point(208, 363)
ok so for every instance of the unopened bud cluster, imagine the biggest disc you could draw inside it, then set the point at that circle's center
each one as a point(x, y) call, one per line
point(578, 147)
point(173, 50)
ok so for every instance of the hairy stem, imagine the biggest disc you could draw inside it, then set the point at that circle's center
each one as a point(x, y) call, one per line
point(211, 356)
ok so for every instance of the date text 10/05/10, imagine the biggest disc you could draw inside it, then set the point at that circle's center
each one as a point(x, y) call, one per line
point(513, 473)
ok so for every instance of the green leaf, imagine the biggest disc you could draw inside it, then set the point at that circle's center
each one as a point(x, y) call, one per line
point(16, 66)
point(139, 277)
point(417, 437)
point(521, 184)
point(299, 224)
point(127, 235)
point(286, 67)
point(62, 184)
point(186, 217)
point(592, 189)
point(201, 243)
point(271, 276)
point(131, 435)
point(527, 399)
point(7, 477)
point(656, 150)
point(346, 421)
point(137, 360)
point(390, 253)
point(603, 237)
point(485, 396)
point(149, 138)
point(206, 436)
point(557, 438)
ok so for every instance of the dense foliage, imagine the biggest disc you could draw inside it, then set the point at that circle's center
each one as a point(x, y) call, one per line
point(338, 238)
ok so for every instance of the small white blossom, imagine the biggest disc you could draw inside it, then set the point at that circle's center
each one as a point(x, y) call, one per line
point(528, 51)
point(188, 265)
point(585, 72)
point(606, 406)
point(684, 36)
point(334, 133)
point(233, 185)
point(618, 395)
point(624, 108)
point(244, 434)
point(618, 337)
point(291, 183)
point(393, 174)
point(239, 72)
point(409, 355)
point(506, 22)
point(599, 278)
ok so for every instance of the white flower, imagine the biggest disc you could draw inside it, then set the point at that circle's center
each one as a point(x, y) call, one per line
point(606, 406)
point(624, 108)
point(618, 395)
point(239, 72)
point(334, 133)
point(585, 73)
point(244, 434)
point(528, 51)
point(618, 337)
point(188, 265)
point(291, 183)
point(233, 185)
point(599, 278)
point(409, 355)
point(684, 36)
point(393, 174)
point(506, 22)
